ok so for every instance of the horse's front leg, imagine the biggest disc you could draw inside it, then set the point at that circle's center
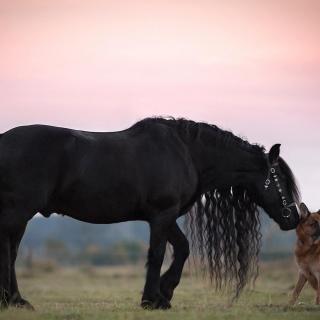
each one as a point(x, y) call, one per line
point(152, 297)
point(171, 278)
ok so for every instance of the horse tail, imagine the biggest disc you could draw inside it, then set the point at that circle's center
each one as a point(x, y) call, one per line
point(224, 229)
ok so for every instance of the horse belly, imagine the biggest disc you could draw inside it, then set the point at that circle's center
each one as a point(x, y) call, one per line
point(98, 206)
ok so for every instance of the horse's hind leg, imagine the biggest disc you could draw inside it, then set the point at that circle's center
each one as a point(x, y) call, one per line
point(13, 222)
point(5, 277)
point(16, 300)
point(171, 278)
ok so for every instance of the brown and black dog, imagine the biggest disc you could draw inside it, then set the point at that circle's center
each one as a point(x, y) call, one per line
point(307, 252)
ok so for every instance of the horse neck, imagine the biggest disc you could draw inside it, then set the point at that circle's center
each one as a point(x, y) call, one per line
point(223, 166)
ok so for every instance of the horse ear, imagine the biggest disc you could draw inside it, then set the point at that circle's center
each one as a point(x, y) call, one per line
point(274, 153)
point(304, 210)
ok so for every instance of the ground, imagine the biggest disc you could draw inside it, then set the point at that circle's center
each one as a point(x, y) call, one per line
point(114, 293)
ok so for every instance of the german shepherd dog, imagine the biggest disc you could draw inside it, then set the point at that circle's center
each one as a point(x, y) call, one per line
point(307, 252)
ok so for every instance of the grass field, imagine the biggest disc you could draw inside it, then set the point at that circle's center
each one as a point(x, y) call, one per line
point(114, 293)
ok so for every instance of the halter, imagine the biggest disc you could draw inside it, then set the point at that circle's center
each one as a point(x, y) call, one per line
point(286, 211)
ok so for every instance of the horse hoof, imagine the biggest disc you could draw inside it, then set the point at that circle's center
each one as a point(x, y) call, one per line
point(3, 306)
point(159, 303)
point(23, 304)
point(147, 304)
point(163, 303)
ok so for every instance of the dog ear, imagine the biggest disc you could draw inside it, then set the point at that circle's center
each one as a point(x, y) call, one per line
point(304, 210)
point(274, 153)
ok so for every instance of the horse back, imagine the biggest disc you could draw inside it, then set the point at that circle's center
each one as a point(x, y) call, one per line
point(69, 170)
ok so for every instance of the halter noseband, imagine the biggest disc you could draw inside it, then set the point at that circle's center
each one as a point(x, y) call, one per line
point(272, 174)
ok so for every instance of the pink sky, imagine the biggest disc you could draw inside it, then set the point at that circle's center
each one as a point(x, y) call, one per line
point(250, 66)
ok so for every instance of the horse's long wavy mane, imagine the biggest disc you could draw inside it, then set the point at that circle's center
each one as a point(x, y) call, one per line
point(224, 225)
point(189, 129)
point(224, 229)
point(292, 185)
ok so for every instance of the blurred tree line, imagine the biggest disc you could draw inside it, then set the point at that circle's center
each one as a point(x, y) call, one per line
point(122, 252)
point(66, 241)
point(69, 242)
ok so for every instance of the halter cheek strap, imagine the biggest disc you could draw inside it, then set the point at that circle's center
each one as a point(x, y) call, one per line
point(273, 176)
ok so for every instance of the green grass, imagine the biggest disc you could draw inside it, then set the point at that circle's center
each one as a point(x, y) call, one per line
point(114, 293)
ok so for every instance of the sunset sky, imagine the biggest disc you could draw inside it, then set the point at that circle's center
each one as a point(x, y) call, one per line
point(249, 66)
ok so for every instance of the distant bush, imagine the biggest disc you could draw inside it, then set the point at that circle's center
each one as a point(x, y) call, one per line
point(57, 250)
point(123, 252)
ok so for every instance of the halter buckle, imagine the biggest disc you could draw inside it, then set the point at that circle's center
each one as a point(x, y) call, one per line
point(286, 212)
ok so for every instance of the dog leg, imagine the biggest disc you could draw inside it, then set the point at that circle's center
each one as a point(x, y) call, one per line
point(296, 292)
point(318, 290)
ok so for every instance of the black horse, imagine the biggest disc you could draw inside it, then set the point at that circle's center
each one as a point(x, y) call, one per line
point(155, 171)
